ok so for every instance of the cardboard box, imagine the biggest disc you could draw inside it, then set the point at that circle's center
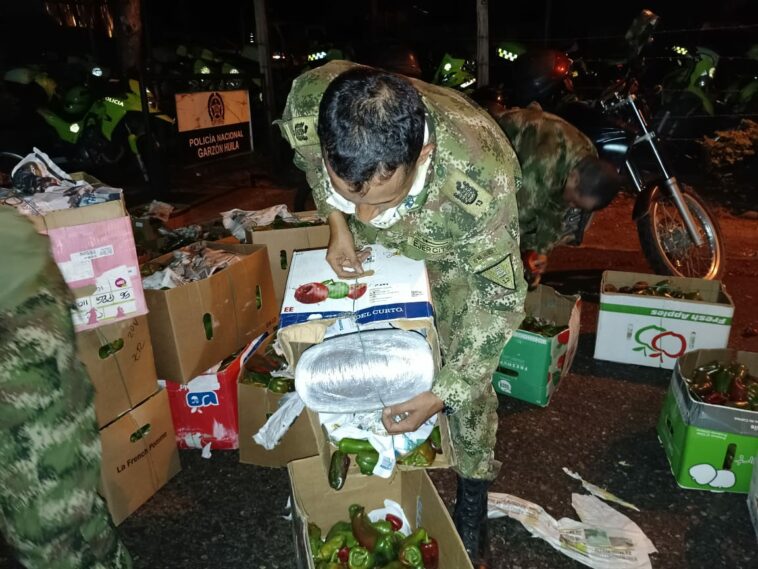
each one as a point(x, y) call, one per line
point(531, 366)
point(282, 243)
point(196, 325)
point(709, 447)
point(119, 360)
point(139, 456)
point(205, 410)
point(256, 405)
point(398, 288)
point(314, 501)
point(752, 497)
point(655, 331)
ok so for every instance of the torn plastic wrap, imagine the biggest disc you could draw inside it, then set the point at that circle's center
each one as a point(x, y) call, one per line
point(364, 371)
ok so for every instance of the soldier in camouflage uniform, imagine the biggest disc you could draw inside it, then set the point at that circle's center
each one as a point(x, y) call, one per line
point(563, 182)
point(50, 513)
point(453, 205)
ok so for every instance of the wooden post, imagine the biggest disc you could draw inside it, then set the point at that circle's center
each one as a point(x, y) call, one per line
point(264, 59)
point(482, 42)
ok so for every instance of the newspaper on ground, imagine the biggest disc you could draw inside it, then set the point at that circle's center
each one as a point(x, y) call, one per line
point(603, 539)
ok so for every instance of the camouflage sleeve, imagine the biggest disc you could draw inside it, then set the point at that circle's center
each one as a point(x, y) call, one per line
point(493, 308)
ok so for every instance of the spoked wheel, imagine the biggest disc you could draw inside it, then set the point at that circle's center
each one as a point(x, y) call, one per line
point(668, 246)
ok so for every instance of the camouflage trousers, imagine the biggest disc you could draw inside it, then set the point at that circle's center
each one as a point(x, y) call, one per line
point(50, 513)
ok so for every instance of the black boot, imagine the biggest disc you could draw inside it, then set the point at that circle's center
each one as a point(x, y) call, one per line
point(470, 519)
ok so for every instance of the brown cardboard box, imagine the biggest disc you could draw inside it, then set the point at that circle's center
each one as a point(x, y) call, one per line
point(282, 242)
point(79, 215)
point(256, 405)
point(314, 501)
point(119, 360)
point(139, 456)
point(238, 302)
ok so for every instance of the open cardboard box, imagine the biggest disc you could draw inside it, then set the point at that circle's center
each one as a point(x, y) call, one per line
point(119, 360)
point(700, 438)
point(315, 502)
point(531, 365)
point(282, 243)
point(256, 405)
point(655, 331)
point(198, 324)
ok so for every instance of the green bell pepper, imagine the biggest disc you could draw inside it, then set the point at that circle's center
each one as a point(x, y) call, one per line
point(422, 455)
point(366, 461)
point(354, 446)
point(314, 539)
point(435, 439)
point(386, 548)
point(361, 558)
point(338, 469)
point(384, 527)
point(345, 529)
point(410, 556)
point(722, 379)
point(328, 551)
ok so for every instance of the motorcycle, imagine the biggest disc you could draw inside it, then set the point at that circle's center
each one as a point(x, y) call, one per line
point(679, 235)
point(106, 131)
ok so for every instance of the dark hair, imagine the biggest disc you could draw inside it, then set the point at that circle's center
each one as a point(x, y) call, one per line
point(370, 123)
point(598, 180)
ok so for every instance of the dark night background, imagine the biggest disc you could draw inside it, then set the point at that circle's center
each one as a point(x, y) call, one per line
point(25, 32)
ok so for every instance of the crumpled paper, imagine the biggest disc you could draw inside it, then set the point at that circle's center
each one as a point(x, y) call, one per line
point(42, 187)
point(290, 407)
point(238, 221)
point(190, 264)
point(604, 539)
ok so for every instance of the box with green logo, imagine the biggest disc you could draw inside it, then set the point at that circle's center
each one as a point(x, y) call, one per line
point(752, 497)
point(655, 330)
point(709, 447)
point(532, 365)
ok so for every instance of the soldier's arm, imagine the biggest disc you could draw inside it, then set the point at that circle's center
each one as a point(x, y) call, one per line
point(494, 304)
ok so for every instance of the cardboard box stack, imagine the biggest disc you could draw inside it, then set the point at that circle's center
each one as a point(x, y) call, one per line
point(709, 447)
point(532, 365)
point(94, 249)
point(205, 331)
point(654, 330)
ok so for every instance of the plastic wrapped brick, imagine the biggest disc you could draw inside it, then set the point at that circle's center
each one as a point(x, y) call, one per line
point(364, 371)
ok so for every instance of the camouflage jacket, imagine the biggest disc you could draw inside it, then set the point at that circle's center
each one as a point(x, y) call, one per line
point(548, 148)
point(464, 224)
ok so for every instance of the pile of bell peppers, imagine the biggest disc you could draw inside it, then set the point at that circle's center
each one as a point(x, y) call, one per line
point(363, 544)
point(725, 383)
point(264, 379)
point(366, 457)
point(662, 288)
point(541, 326)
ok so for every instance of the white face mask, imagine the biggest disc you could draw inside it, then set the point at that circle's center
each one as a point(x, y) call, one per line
point(392, 215)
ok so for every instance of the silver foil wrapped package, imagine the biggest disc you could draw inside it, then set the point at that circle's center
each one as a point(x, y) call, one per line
point(364, 371)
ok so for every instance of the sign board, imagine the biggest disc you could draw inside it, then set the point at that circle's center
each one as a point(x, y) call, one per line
point(213, 125)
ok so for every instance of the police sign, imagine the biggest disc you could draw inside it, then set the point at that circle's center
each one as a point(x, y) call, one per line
point(214, 124)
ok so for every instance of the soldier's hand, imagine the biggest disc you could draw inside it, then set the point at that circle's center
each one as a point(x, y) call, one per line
point(341, 255)
point(409, 416)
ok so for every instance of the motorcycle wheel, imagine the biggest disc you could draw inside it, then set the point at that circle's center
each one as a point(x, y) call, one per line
point(668, 246)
